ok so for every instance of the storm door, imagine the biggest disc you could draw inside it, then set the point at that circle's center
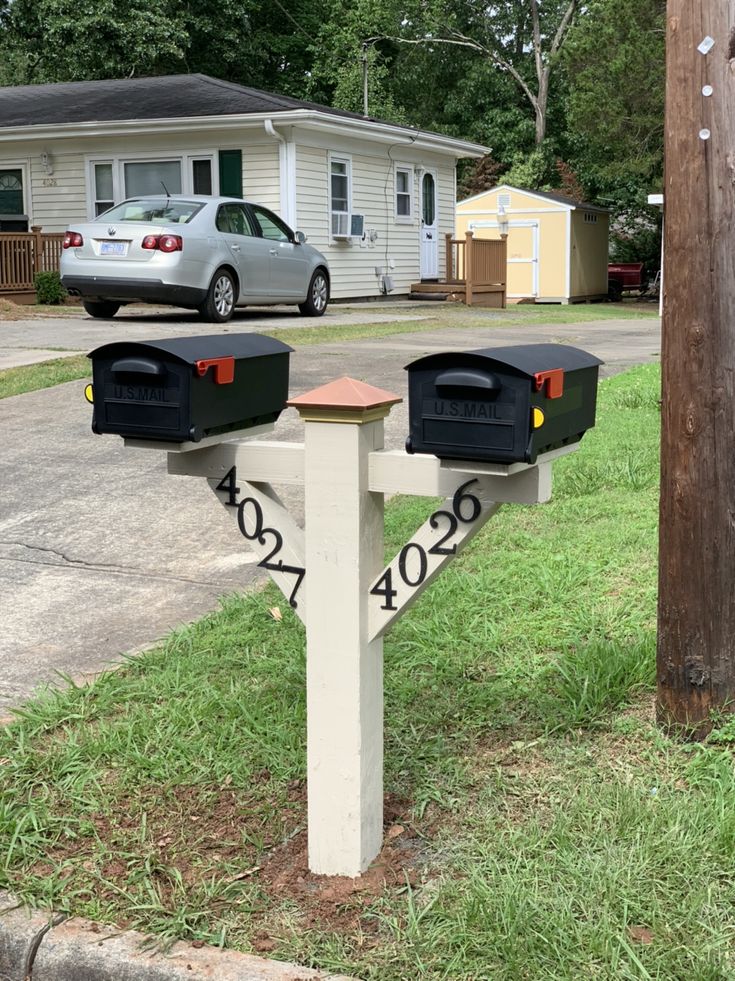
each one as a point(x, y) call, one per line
point(429, 228)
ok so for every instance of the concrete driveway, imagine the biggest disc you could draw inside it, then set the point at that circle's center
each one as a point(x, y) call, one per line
point(101, 552)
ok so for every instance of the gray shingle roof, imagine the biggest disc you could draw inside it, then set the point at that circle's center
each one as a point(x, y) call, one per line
point(163, 97)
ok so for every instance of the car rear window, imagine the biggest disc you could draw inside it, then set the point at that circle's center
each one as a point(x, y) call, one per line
point(153, 211)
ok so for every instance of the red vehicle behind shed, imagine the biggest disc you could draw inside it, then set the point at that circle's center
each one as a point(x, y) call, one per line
point(624, 276)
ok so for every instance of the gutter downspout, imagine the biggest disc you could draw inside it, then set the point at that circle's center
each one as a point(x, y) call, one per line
point(287, 173)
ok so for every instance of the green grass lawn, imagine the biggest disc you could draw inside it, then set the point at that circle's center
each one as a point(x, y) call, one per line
point(45, 374)
point(539, 824)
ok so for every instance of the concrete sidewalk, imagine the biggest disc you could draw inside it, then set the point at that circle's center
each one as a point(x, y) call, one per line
point(101, 552)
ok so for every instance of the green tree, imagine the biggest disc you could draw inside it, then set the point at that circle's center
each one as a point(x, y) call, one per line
point(522, 38)
point(262, 43)
point(66, 40)
point(266, 44)
point(431, 84)
point(614, 62)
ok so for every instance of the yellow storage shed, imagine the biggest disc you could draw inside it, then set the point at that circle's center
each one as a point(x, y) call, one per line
point(557, 247)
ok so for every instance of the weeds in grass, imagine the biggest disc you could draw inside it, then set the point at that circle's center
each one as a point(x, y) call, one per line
point(586, 684)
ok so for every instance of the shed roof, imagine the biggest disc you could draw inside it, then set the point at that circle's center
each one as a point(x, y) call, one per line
point(562, 199)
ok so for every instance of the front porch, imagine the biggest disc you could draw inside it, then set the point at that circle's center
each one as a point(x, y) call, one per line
point(476, 273)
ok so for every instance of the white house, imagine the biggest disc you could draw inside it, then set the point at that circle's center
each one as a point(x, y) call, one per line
point(376, 198)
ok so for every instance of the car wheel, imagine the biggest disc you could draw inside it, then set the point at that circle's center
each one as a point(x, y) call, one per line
point(220, 302)
point(318, 296)
point(102, 309)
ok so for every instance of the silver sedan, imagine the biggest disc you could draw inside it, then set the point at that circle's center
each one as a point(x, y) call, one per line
point(211, 254)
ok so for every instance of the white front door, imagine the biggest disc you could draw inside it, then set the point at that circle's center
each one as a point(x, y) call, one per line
point(429, 229)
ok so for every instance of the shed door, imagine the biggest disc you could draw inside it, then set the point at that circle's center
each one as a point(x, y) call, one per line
point(523, 249)
point(523, 259)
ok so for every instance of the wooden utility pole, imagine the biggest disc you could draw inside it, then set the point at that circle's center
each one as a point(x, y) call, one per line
point(696, 618)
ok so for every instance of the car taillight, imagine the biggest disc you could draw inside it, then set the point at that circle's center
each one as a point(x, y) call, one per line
point(171, 243)
point(165, 243)
point(72, 240)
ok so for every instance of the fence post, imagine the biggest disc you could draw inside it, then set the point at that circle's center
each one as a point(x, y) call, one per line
point(468, 270)
point(448, 241)
point(37, 250)
point(504, 268)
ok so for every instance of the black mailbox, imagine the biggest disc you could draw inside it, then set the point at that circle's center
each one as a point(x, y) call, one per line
point(502, 404)
point(186, 388)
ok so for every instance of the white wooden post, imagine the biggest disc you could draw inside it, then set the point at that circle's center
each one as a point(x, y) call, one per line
point(344, 685)
point(352, 597)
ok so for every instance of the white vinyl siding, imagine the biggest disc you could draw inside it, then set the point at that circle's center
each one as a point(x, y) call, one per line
point(65, 197)
point(395, 250)
point(59, 199)
point(261, 175)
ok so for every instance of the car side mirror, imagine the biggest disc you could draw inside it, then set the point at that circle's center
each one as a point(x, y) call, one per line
point(299, 238)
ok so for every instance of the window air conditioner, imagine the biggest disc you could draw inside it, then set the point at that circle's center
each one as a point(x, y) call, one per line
point(345, 225)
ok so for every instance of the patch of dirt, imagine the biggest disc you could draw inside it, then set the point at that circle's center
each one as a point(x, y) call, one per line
point(14, 311)
point(339, 902)
point(192, 834)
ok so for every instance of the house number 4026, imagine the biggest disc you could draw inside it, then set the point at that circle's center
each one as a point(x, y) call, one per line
point(466, 508)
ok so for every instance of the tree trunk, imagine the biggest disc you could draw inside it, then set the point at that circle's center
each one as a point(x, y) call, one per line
point(541, 105)
point(696, 617)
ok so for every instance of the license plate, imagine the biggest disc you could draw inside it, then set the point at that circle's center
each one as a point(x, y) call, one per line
point(113, 248)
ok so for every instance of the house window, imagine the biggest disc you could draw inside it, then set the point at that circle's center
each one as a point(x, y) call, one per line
point(340, 181)
point(104, 196)
point(404, 188)
point(113, 180)
point(152, 177)
point(201, 176)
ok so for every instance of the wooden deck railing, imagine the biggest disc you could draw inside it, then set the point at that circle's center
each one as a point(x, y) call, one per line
point(476, 262)
point(23, 254)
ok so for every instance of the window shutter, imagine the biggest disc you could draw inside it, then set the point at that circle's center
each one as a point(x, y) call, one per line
point(230, 173)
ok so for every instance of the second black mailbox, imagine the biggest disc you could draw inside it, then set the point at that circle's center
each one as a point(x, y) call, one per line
point(186, 388)
point(502, 404)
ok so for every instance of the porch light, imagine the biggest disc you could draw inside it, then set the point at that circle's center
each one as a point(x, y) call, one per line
point(47, 162)
point(502, 221)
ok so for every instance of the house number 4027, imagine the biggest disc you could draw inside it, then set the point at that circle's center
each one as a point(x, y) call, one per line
point(251, 523)
point(466, 508)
